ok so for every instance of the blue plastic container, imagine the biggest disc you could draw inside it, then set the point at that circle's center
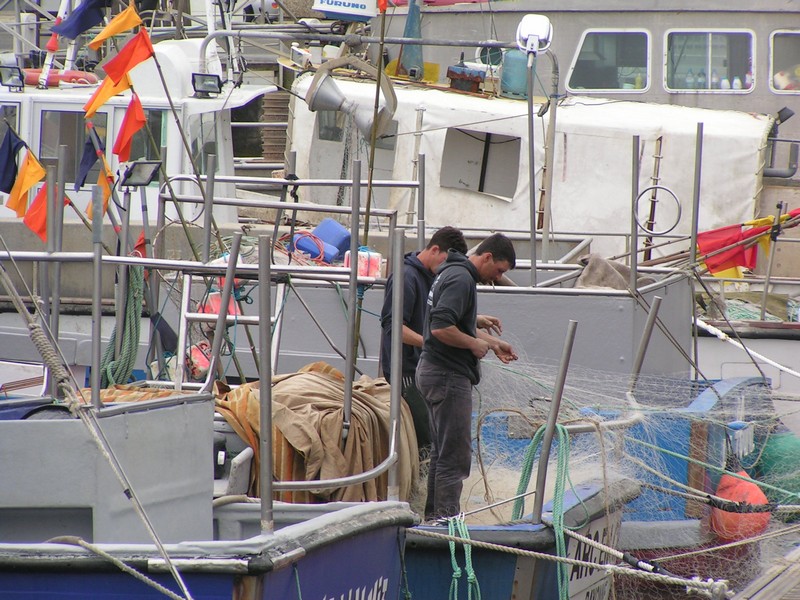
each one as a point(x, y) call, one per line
point(514, 79)
point(334, 233)
point(303, 243)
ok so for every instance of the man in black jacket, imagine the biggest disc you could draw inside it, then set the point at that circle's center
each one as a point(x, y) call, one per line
point(418, 272)
point(449, 365)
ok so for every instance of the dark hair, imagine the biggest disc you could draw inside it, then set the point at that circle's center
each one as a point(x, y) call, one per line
point(500, 247)
point(448, 238)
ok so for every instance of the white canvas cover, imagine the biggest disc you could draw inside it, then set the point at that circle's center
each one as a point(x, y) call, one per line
point(593, 160)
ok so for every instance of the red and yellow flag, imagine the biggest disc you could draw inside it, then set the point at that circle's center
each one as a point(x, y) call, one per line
point(137, 50)
point(30, 173)
point(127, 19)
point(134, 120)
point(107, 90)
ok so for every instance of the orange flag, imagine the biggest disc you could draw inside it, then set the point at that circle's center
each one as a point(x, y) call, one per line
point(36, 217)
point(137, 50)
point(104, 180)
point(107, 90)
point(127, 19)
point(30, 173)
point(134, 120)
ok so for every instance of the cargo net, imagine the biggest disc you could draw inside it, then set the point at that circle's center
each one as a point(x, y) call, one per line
point(689, 448)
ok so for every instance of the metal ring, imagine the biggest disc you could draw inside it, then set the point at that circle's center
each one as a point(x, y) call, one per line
point(636, 210)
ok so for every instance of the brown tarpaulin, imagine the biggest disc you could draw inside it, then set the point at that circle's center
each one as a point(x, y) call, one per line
point(307, 430)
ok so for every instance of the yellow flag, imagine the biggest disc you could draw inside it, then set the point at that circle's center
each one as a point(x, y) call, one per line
point(30, 173)
point(107, 89)
point(104, 180)
point(127, 19)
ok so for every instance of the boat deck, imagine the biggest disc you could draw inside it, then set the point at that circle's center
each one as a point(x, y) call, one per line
point(779, 582)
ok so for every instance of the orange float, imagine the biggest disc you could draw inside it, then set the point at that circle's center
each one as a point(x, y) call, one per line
point(733, 526)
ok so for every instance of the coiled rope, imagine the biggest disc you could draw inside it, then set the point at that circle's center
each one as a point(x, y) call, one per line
point(558, 496)
point(118, 369)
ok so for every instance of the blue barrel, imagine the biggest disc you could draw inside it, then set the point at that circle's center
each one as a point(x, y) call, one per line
point(514, 79)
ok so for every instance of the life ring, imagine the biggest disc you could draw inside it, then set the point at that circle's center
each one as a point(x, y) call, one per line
point(55, 77)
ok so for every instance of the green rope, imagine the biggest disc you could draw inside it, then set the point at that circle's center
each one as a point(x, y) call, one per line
point(297, 581)
point(120, 370)
point(562, 475)
point(453, 595)
point(472, 580)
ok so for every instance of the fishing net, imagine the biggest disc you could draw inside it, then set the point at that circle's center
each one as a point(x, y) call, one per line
point(683, 437)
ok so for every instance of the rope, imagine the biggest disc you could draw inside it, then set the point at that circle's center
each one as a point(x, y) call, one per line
point(715, 589)
point(76, 541)
point(118, 369)
point(458, 525)
point(558, 496)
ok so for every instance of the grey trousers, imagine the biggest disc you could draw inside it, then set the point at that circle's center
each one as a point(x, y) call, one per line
point(448, 396)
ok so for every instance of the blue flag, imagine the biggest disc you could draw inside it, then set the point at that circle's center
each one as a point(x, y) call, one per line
point(87, 161)
point(11, 145)
point(83, 18)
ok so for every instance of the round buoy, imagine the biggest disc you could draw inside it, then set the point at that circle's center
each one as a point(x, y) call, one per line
point(732, 526)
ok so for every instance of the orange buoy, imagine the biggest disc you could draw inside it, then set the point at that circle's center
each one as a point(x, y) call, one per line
point(733, 526)
point(54, 77)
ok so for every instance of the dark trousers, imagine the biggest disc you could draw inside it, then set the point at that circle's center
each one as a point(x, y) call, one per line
point(419, 414)
point(449, 399)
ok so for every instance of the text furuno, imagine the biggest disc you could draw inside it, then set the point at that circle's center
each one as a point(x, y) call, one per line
point(343, 4)
point(376, 592)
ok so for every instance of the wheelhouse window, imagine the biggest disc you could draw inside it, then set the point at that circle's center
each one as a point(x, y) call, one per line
point(203, 137)
point(718, 61)
point(611, 60)
point(785, 62)
point(69, 129)
point(8, 116)
point(142, 147)
point(480, 161)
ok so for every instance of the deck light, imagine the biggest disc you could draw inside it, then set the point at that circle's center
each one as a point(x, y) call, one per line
point(324, 94)
point(11, 77)
point(534, 33)
point(139, 173)
point(205, 84)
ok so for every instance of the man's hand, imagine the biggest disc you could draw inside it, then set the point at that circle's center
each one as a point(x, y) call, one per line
point(490, 324)
point(480, 348)
point(504, 352)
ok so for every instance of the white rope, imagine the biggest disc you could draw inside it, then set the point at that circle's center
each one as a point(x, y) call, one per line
point(726, 338)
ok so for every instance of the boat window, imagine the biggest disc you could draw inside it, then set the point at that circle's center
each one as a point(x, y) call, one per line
point(611, 60)
point(785, 62)
point(480, 161)
point(8, 115)
point(142, 147)
point(68, 129)
point(203, 136)
point(713, 61)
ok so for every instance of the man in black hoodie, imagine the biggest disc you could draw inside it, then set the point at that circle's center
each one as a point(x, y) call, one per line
point(450, 365)
point(418, 273)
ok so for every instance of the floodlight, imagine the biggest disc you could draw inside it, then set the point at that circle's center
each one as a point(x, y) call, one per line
point(324, 94)
point(534, 33)
point(205, 84)
point(12, 78)
point(784, 114)
point(139, 173)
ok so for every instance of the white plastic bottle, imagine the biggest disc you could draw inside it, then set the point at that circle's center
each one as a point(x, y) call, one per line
point(690, 82)
point(737, 83)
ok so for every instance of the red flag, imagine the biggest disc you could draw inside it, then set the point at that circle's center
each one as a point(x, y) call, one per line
point(36, 217)
point(134, 120)
point(382, 6)
point(709, 242)
point(140, 247)
point(137, 50)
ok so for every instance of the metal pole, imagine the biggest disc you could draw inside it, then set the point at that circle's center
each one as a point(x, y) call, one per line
point(225, 299)
point(208, 206)
point(698, 163)
point(420, 204)
point(531, 166)
point(352, 301)
point(265, 389)
point(773, 236)
point(48, 295)
point(122, 273)
point(634, 224)
point(645, 341)
point(552, 419)
point(97, 279)
point(396, 355)
point(549, 160)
